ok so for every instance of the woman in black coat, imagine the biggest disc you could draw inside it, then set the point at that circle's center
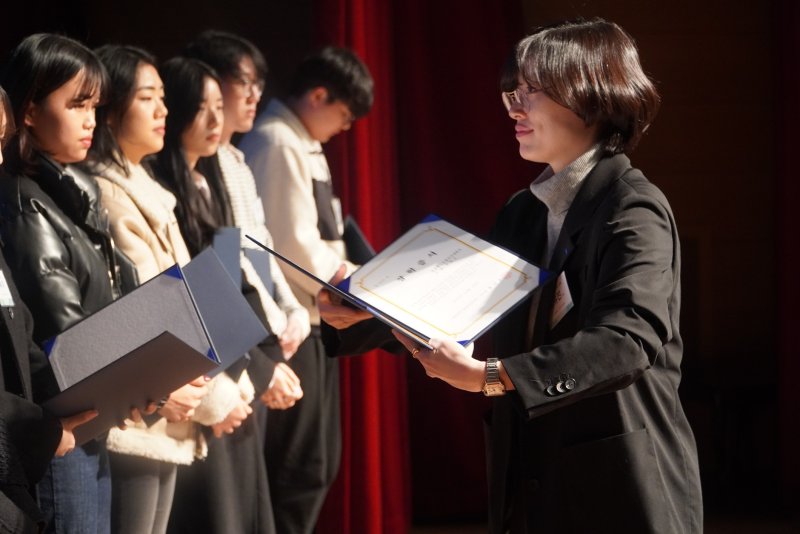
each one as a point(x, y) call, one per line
point(587, 432)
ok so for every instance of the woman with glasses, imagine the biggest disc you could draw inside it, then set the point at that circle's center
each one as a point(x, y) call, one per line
point(587, 432)
point(242, 69)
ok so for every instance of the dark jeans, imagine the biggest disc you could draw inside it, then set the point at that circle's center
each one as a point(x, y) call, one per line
point(75, 492)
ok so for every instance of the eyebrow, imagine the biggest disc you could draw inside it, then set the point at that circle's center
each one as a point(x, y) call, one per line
point(83, 97)
point(148, 88)
point(250, 74)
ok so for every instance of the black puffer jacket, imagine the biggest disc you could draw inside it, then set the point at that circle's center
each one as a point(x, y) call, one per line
point(59, 252)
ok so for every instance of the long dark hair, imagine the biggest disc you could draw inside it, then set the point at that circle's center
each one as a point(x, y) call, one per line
point(122, 64)
point(39, 65)
point(183, 87)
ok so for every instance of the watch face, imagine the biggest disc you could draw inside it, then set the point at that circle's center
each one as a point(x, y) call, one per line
point(494, 389)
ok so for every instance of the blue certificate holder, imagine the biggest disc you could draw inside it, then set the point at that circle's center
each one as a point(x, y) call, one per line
point(182, 324)
point(228, 245)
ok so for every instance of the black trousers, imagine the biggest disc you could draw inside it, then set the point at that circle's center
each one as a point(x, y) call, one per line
point(303, 444)
point(227, 492)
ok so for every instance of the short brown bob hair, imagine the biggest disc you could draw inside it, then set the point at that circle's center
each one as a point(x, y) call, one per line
point(592, 68)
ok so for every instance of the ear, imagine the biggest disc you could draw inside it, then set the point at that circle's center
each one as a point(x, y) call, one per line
point(31, 112)
point(318, 96)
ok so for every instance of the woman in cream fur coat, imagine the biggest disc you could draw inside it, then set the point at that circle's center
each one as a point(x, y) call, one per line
point(140, 211)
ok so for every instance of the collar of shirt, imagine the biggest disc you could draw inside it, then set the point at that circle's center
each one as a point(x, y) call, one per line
point(557, 190)
point(232, 151)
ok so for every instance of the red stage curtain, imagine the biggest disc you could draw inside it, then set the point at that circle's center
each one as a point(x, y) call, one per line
point(372, 493)
point(437, 140)
point(458, 157)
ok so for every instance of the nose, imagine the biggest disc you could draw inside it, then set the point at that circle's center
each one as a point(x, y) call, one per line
point(161, 109)
point(516, 111)
point(89, 121)
point(215, 118)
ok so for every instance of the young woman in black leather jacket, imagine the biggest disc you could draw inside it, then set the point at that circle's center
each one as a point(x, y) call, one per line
point(29, 436)
point(55, 239)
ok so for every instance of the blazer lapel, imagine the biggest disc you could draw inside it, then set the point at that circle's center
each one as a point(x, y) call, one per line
point(589, 197)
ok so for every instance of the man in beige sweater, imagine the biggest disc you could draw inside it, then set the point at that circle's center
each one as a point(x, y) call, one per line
point(330, 89)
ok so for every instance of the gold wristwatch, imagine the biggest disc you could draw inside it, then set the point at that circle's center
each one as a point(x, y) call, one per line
point(493, 386)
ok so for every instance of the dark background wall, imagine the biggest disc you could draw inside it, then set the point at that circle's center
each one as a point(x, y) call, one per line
point(280, 28)
point(714, 149)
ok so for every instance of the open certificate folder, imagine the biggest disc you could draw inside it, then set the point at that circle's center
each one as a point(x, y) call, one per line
point(185, 322)
point(438, 281)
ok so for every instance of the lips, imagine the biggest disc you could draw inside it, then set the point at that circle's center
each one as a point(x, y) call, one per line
point(160, 130)
point(86, 142)
point(520, 130)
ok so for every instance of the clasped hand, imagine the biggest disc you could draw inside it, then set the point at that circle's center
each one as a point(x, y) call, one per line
point(285, 389)
point(233, 420)
point(182, 402)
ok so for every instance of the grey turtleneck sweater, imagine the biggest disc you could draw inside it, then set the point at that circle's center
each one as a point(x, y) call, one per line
point(557, 190)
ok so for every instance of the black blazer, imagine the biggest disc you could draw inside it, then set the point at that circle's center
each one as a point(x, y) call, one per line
point(594, 439)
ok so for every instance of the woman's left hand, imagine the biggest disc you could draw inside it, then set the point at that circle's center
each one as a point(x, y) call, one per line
point(448, 361)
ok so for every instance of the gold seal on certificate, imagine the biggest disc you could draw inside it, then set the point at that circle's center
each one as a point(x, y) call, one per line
point(439, 281)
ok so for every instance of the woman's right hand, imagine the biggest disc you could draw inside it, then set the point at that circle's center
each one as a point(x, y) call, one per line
point(182, 402)
point(68, 425)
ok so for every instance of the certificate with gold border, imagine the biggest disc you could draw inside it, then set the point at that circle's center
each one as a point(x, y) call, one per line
point(438, 281)
point(444, 282)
